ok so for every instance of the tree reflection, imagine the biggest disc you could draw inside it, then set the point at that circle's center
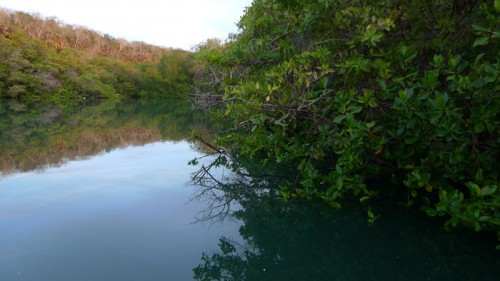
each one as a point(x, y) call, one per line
point(38, 135)
point(306, 241)
point(226, 184)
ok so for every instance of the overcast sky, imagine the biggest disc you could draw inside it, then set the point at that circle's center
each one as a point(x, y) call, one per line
point(168, 23)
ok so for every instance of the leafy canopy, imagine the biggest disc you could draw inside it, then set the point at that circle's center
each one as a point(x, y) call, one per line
point(354, 92)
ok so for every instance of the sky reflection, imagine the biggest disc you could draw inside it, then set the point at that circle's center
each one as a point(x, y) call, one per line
point(117, 216)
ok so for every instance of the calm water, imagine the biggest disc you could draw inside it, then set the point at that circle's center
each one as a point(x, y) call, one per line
point(103, 191)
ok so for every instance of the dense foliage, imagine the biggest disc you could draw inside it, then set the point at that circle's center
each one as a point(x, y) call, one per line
point(405, 93)
point(43, 58)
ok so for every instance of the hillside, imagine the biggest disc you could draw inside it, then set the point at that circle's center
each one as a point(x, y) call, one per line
point(45, 58)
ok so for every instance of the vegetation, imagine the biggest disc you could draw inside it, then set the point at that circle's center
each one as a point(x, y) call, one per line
point(44, 58)
point(348, 93)
point(405, 93)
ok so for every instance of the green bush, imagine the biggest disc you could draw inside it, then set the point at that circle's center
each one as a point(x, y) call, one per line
point(353, 92)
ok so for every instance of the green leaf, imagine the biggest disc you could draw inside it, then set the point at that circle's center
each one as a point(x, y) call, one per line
point(364, 198)
point(370, 125)
point(339, 119)
point(442, 99)
point(370, 214)
point(438, 60)
point(481, 41)
point(413, 193)
point(382, 85)
point(431, 212)
point(479, 175)
point(355, 109)
point(335, 205)
point(480, 27)
point(488, 190)
point(474, 188)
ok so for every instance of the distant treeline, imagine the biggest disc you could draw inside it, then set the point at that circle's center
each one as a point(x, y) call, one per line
point(45, 58)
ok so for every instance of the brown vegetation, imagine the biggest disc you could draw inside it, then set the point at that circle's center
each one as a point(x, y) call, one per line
point(61, 36)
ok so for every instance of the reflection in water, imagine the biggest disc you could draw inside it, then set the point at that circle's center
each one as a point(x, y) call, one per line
point(304, 241)
point(122, 216)
point(117, 216)
point(39, 135)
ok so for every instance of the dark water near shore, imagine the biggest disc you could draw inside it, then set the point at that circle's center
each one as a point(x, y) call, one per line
point(103, 191)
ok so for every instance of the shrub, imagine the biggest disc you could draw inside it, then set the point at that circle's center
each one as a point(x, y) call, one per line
point(356, 91)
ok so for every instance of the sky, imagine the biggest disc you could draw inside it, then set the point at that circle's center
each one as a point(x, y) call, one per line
point(168, 23)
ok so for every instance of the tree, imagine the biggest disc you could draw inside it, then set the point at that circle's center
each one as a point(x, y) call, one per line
point(358, 91)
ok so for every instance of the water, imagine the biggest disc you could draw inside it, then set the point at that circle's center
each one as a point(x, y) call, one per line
point(119, 216)
point(308, 241)
point(98, 192)
point(103, 191)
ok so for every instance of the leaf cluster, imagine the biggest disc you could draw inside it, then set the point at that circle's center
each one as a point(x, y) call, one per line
point(403, 93)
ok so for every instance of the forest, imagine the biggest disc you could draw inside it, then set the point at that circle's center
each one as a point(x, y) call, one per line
point(366, 101)
point(43, 58)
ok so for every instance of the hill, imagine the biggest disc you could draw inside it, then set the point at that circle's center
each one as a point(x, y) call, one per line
point(45, 58)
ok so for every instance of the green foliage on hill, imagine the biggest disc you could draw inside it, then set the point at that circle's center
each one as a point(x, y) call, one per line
point(41, 58)
point(405, 93)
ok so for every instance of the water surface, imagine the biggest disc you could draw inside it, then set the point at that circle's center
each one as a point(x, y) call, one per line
point(98, 191)
point(103, 191)
point(118, 216)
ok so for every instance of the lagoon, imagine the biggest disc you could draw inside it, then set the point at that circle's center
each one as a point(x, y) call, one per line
point(104, 191)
